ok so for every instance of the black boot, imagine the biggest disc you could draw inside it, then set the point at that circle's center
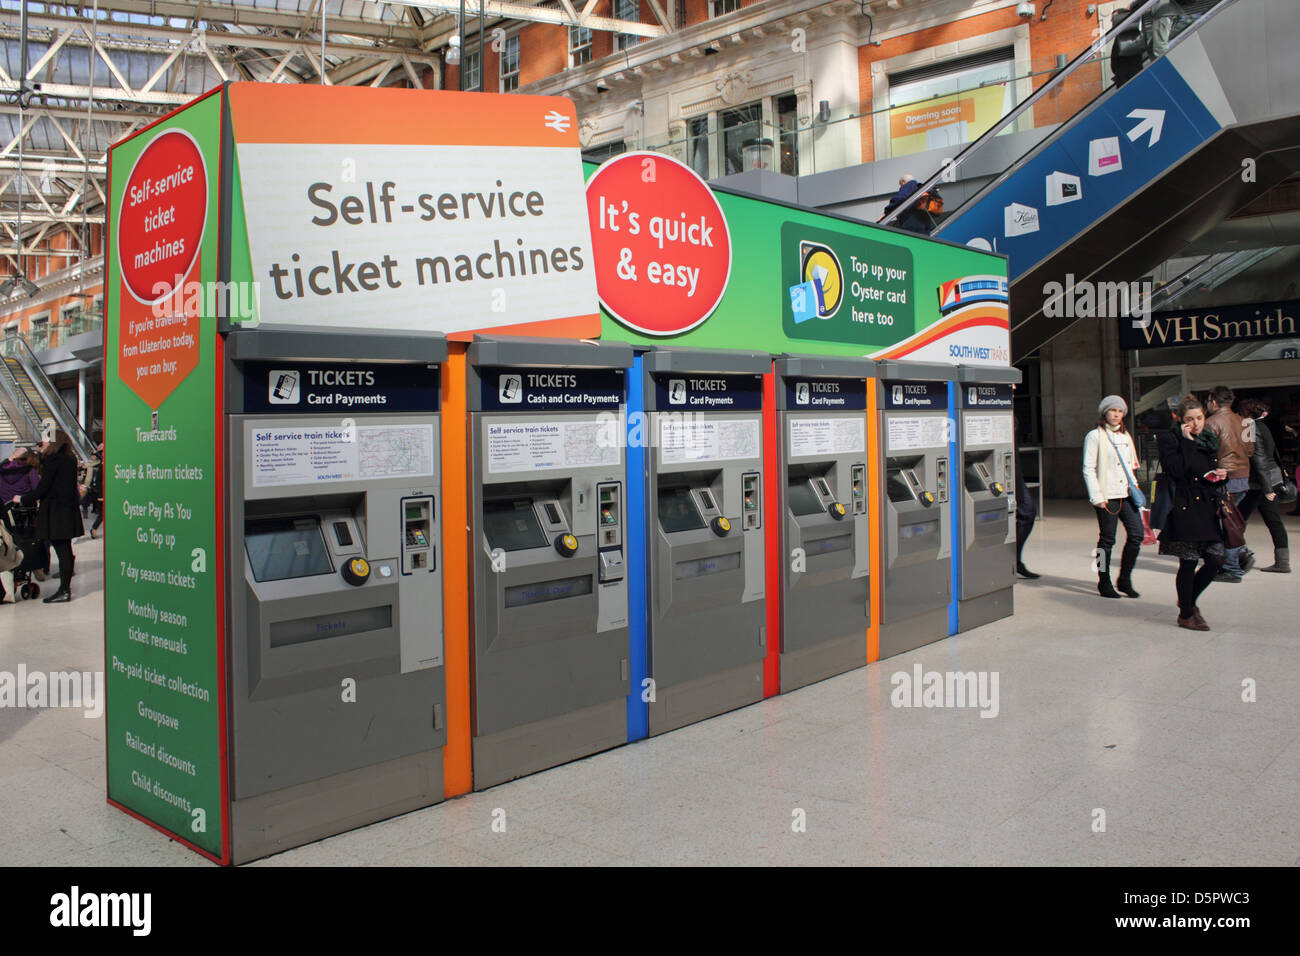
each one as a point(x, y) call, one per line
point(1104, 587)
point(1024, 572)
point(1125, 583)
point(61, 596)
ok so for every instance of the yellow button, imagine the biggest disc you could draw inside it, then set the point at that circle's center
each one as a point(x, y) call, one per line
point(360, 566)
point(570, 541)
point(724, 524)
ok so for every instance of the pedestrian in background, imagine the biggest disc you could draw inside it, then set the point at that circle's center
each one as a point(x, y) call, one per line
point(1109, 462)
point(1266, 479)
point(1234, 455)
point(1026, 515)
point(18, 475)
point(1189, 457)
point(59, 518)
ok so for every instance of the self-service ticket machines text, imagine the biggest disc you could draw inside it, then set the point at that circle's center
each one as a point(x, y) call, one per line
point(337, 687)
point(548, 483)
point(706, 611)
point(915, 484)
point(988, 507)
point(824, 549)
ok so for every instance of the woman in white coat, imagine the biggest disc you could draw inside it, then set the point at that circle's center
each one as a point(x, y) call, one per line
point(1106, 451)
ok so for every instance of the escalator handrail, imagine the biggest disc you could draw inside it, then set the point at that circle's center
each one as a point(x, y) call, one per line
point(16, 347)
point(28, 419)
point(1093, 49)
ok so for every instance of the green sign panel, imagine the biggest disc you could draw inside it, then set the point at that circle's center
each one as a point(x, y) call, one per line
point(162, 652)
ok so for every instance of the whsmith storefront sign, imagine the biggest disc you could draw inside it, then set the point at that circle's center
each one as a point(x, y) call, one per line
point(1217, 325)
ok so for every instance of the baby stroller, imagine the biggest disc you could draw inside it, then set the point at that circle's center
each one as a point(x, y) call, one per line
point(21, 524)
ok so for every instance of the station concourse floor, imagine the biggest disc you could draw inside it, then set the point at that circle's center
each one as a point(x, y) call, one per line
point(1103, 705)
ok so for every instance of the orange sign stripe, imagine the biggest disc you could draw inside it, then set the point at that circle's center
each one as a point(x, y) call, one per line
point(359, 115)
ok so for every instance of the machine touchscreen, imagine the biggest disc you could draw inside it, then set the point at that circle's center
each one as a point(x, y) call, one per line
point(802, 499)
point(283, 548)
point(511, 525)
point(677, 512)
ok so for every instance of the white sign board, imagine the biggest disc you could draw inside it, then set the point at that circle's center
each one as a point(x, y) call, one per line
point(294, 455)
point(913, 432)
point(841, 435)
point(545, 445)
point(696, 438)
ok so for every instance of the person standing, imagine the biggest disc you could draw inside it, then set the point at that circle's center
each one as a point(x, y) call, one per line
point(1129, 49)
point(1026, 515)
point(1266, 480)
point(59, 518)
point(1109, 459)
point(1189, 457)
point(1234, 455)
point(18, 475)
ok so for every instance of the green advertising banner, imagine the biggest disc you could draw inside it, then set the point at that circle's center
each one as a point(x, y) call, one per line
point(163, 654)
point(794, 280)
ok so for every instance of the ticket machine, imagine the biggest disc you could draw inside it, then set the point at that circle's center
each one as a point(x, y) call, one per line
point(823, 535)
point(332, 527)
point(705, 629)
point(988, 507)
point(548, 481)
point(916, 454)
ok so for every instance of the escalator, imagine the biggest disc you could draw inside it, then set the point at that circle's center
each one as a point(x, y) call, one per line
point(30, 402)
point(1140, 170)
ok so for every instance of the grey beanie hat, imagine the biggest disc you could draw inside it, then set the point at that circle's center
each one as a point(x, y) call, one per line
point(1112, 401)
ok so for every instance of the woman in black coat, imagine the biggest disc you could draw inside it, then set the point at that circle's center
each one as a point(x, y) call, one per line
point(59, 518)
point(1189, 458)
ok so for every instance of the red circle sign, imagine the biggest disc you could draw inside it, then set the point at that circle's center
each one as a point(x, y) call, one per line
point(163, 213)
point(660, 244)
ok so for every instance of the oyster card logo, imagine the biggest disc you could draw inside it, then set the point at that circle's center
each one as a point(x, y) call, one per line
point(661, 244)
point(159, 229)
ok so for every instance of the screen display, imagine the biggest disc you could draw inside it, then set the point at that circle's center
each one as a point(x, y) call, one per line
point(282, 548)
point(896, 487)
point(677, 512)
point(801, 498)
point(703, 566)
point(522, 595)
point(841, 542)
point(511, 525)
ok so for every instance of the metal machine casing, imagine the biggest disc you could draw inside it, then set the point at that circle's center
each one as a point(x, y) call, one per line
point(988, 507)
point(548, 485)
point(914, 482)
point(705, 601)
point(823, 484)
point(337, 684)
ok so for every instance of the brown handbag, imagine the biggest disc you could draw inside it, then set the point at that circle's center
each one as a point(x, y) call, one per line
point(1233, 524)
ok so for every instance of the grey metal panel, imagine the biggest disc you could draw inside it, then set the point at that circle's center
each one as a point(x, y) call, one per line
point(989, 375)
point(494, 351)
point(282, 819)
point(985, 609)
point(823, 660)
point(705, 697)
point(266, 342)
point(821, 366)
point(898, 637)
point(915, 371)
point(719, 361)
point(517, 751)
point(761, 182)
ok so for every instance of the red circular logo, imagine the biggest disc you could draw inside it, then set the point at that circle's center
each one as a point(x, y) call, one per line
point(164, 210)
point(660, 243)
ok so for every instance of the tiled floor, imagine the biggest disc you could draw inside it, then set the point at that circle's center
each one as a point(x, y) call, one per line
point(1104, 706)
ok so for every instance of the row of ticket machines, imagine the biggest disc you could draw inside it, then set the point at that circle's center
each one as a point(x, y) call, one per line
point(649, 533)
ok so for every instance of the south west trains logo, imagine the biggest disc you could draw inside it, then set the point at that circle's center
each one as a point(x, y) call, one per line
point(820, 268)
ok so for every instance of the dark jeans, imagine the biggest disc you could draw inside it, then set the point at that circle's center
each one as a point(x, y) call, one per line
point(1268, 511)
point(1192, 583)
point(1120, 509)
point(1026, 514)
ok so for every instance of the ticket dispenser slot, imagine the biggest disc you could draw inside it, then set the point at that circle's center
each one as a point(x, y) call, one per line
point(941, 479)
point(752, 501)
point(418, 551)
point(859, 488)
point(609, 521)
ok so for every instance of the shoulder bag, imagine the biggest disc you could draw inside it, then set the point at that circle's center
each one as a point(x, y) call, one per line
point(1134, 492)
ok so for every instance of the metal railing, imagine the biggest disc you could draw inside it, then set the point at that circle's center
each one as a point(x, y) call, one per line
point(17, 354)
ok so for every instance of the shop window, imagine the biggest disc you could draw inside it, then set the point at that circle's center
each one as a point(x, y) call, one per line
point(510, 64)
point(472, 74)
point(11, 331)
point(697, 146)
point(38, 336)
point(579, 45)
point(720, 8)
point(786, 109)
point(740, 126)
point(629, 10)
point(949, 104)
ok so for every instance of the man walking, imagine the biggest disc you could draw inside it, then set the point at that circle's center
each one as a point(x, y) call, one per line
point(1234, 456)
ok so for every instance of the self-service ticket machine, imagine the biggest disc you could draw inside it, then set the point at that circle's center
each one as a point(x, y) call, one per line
point(705, 608)
point(337, 688)
point(988, 507)
point(548, 482)
point(915, 484)
point(824, 489)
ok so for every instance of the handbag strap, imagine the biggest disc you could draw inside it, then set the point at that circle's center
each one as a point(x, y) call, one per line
point(1128, 472)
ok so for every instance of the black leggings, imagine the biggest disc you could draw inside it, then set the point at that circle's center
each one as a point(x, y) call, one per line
point(1268, 511)
point(1192, 583)
point(63, 548)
